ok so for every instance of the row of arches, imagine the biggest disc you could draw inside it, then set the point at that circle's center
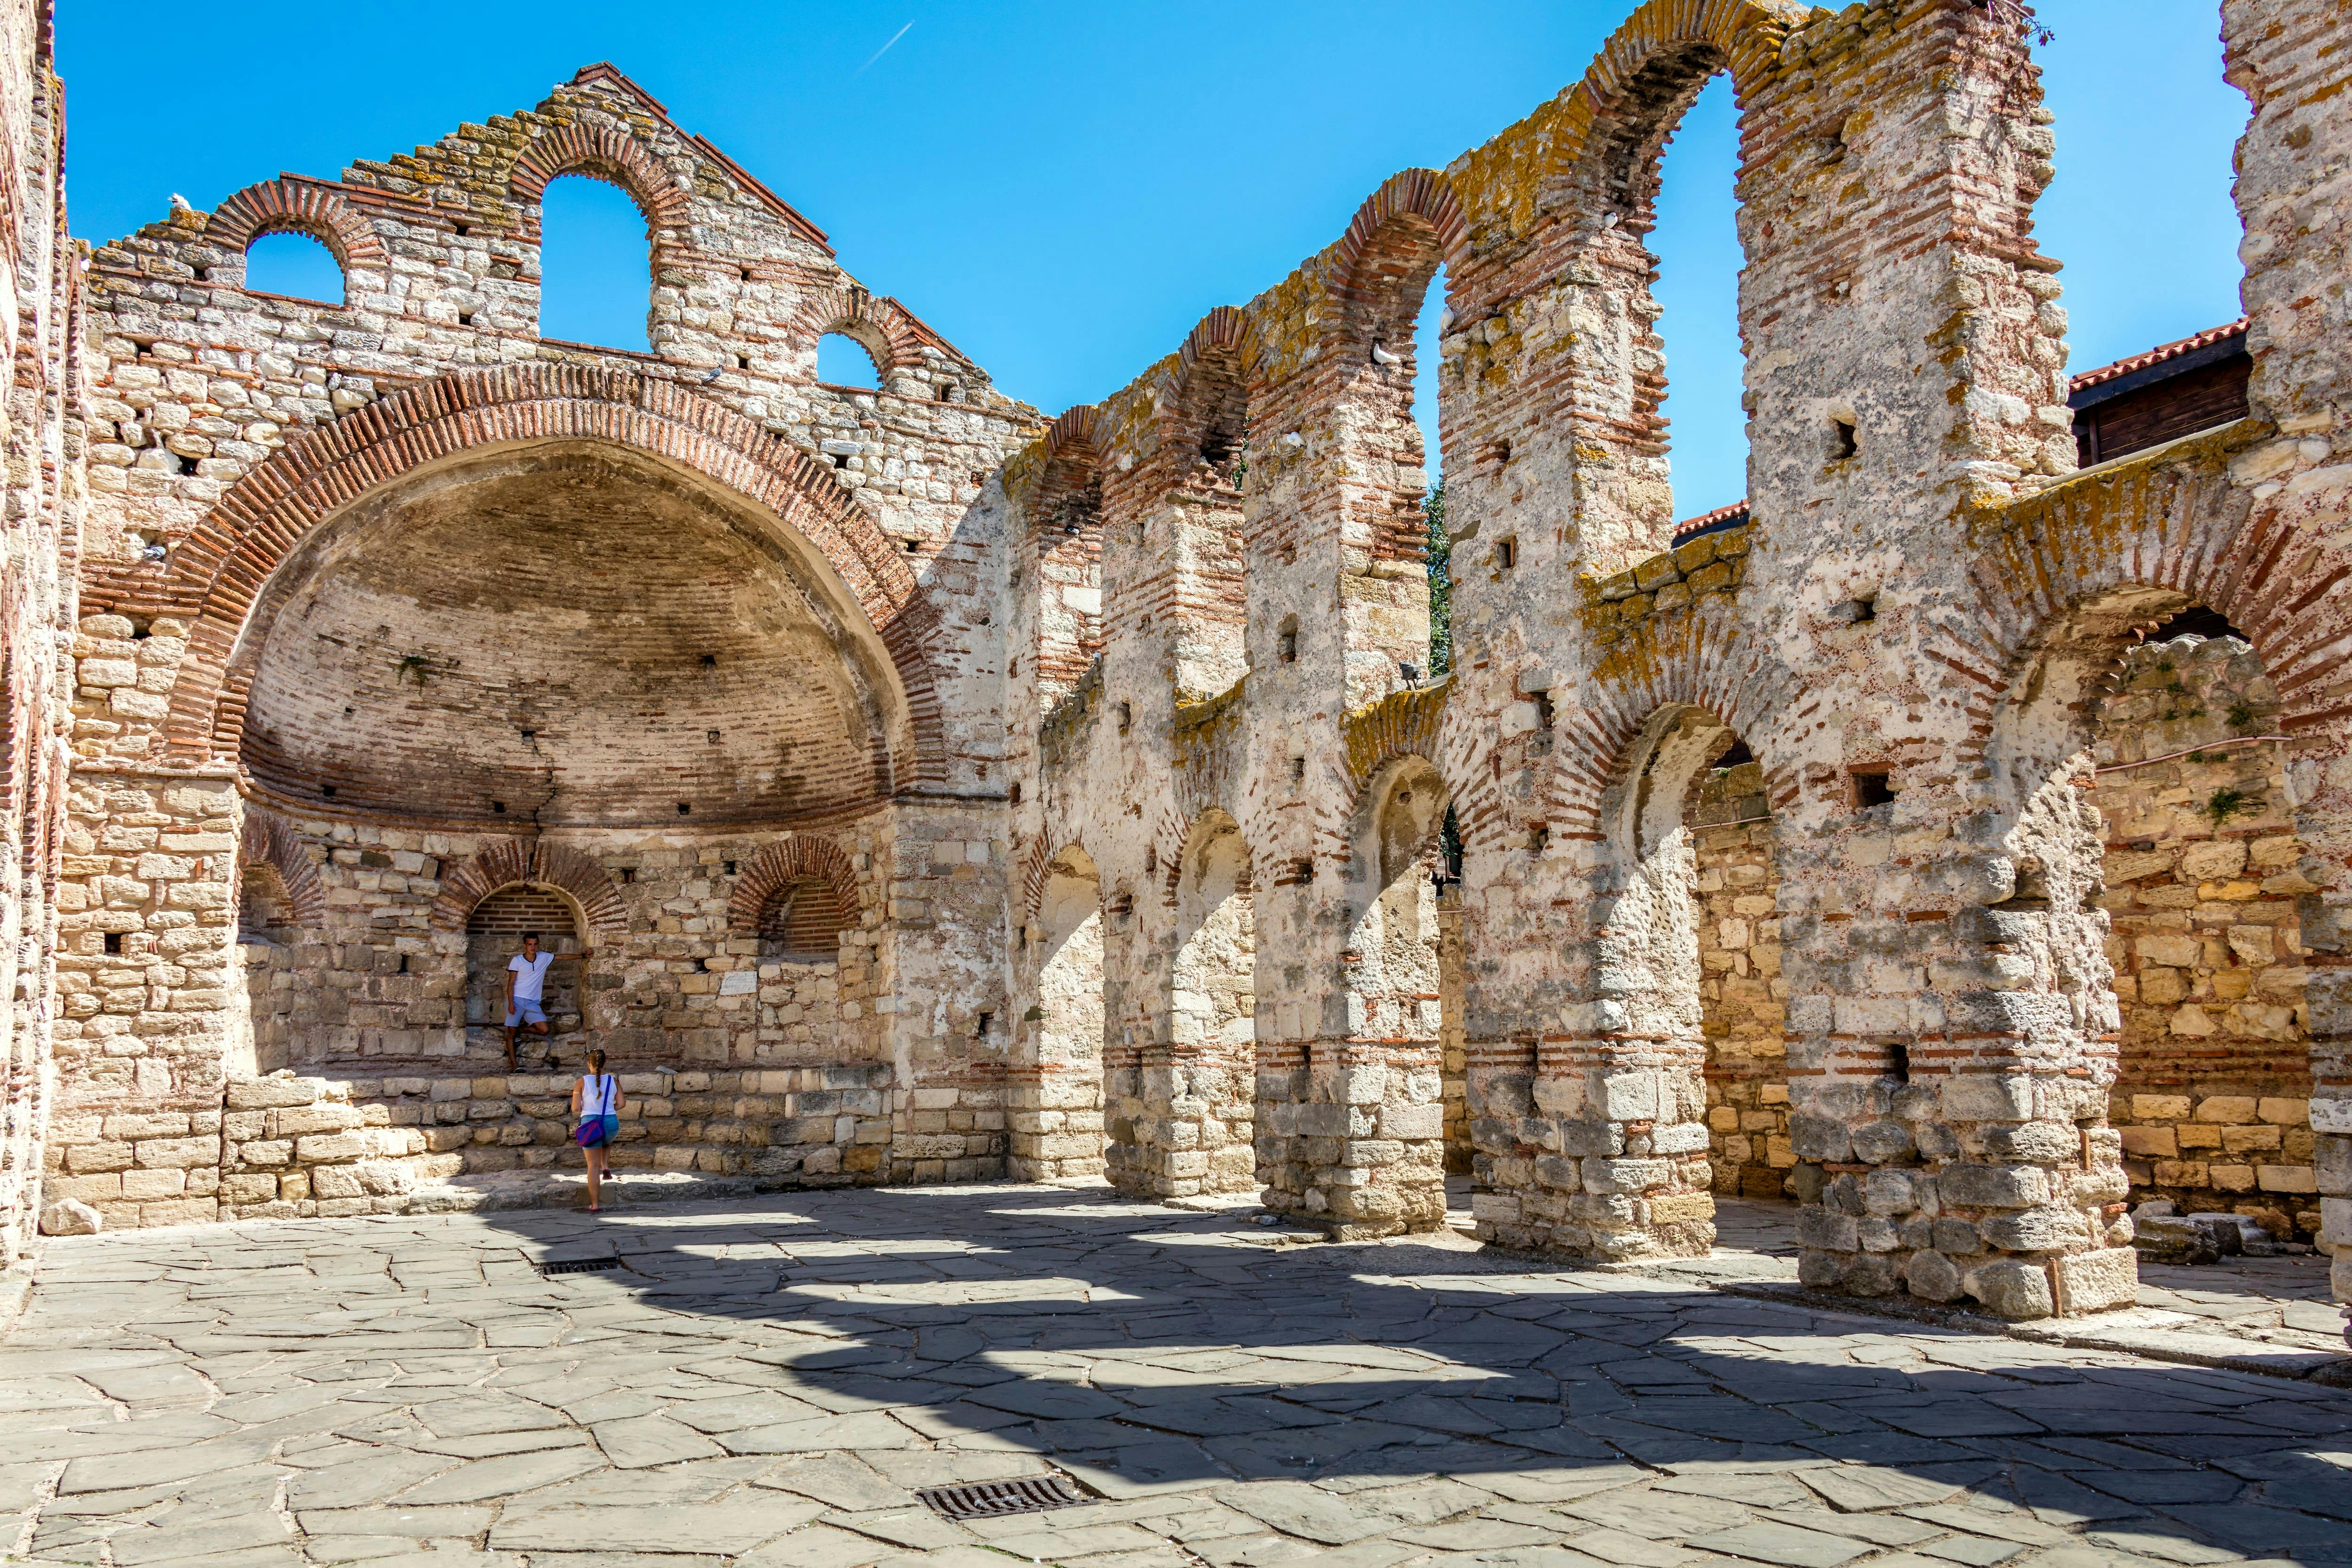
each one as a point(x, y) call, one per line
point(794, 903)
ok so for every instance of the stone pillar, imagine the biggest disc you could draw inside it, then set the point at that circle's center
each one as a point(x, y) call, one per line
point(145, 977)
point(2286, 57)
point(1176, 1100)
point(1951, 1024)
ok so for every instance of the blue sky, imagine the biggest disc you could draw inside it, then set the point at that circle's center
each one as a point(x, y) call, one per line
point(1063, 189)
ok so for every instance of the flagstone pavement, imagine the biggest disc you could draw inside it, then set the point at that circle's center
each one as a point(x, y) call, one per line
point(768, 1382)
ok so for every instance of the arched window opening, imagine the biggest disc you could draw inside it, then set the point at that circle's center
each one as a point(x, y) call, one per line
point(2169, 121)
point(495, 932)
point(1067, 539)
point(1698, 370)
point(1428, 338)
point(2198, 876)
point(294, 265)
point(843, 361)
point(803, 923)
point(595, 265)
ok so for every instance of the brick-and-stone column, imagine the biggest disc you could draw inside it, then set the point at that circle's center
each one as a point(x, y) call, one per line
point(2286, 57)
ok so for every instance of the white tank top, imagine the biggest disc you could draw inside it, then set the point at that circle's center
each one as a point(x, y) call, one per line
point(597, 1093)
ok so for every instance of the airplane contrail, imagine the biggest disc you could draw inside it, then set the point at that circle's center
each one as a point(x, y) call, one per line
point(883, 50)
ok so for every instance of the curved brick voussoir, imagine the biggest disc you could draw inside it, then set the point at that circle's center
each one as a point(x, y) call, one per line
point(606, 153)
point(269, 839)
point(507, 862)
point(289, 204)
point(221, 577)
point(779, 865)
point(1671, 662)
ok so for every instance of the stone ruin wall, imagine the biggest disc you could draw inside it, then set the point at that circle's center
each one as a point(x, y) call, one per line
point(1912, 997)
point(199, 383)
point(2204, 871)
point(42, 498)
point(1922, 997)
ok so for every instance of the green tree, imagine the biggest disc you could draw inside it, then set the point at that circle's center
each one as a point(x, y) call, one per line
point(1440, 583)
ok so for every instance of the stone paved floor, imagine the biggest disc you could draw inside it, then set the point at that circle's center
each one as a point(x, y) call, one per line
point(2260, 1313)
point(768, 1382)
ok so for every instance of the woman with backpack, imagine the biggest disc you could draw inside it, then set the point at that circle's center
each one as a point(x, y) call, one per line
point(596, 1104)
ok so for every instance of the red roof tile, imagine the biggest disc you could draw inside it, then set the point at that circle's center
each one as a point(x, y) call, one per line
point(2157, 356)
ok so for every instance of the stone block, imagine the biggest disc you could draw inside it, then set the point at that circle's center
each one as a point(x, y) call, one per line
point(2016, 1290)
point(2286, 1178)
point(2097, 1282)
point(270, 1093)
point(1992, 1186)
point(1827, 1229)
point(71, 1216)
point(2227, 1108)
point(1988, 1097)
point(2285, 1112)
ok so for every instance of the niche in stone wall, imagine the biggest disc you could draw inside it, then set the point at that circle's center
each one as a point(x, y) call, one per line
point(1405, 953)
point(1213, 1004)
point(1742, 998)
point(494, 933)
point(2202, 872)
point(1069, 1035)
point(803, 923)
point(267, 932)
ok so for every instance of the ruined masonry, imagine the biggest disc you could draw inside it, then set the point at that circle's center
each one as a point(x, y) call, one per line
point(1956, 839)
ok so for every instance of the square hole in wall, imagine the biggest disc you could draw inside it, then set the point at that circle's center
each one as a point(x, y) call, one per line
point(1872, 787)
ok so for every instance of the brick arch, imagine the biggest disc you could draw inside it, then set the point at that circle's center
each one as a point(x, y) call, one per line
point(1685, 41)
point(1405, 231)
point(778, 866)
point(1227, 330)
point(1038, 865)
point(505, 862)
point(291, 206)
point(220, 579)
point(1684, 662)
point(1401, 724)
point(2091, 563)
point(892, 335)
point(1177, 834)
point(270, 840)
point(1215, 374)
point(605, 153)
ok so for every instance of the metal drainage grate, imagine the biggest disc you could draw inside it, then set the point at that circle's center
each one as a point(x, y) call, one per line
point(994, 1500)
point(579, 1266)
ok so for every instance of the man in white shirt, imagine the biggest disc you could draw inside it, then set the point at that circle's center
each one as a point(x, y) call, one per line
point(526, 987)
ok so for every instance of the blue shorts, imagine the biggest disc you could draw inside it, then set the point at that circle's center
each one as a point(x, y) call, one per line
point(526, 1012)
point(611, 1128)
